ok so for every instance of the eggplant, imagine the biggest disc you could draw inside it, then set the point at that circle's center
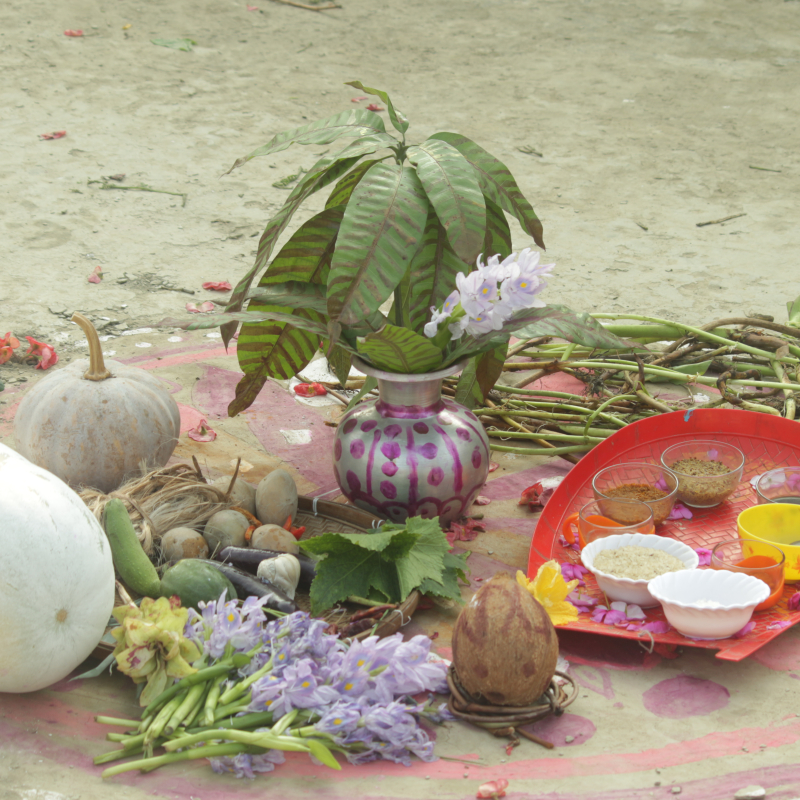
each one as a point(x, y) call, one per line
point(247, 586)
point(248, 559)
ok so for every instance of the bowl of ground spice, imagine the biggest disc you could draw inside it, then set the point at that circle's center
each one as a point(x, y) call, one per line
point(708, 472)
point(624, 564)
point(651, 483)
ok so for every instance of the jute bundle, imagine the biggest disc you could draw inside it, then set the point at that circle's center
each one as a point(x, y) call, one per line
point(172, 497)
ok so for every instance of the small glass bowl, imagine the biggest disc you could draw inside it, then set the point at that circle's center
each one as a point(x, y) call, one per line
point(761, 560)
point(639, 474)
point(705, 491)
point(779, 486)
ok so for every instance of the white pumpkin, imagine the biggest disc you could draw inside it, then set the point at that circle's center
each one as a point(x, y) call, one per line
point(94, 422)
point(56, 577)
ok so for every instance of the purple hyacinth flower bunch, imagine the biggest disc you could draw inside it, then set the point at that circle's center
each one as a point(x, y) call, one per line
point(489, 297)
point(356, 699)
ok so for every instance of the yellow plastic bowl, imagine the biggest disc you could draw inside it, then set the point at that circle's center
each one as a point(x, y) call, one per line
point(776, 524)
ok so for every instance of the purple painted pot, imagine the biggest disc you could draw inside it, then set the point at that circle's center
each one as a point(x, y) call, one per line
point(411, 452)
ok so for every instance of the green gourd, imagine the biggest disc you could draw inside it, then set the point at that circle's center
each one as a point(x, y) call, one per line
point(194, 580)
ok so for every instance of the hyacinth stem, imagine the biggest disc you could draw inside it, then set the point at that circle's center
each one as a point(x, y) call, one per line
point(212, 698)
point(555, 437)
point(122, 723)
point(156, 727)
point(239, 688)
point(229, 709)
point(542, 451)
point(701, 334)
point(257, 719)
point(190, 700)
point(266, 740)
point(201, 676)
point(154, 762)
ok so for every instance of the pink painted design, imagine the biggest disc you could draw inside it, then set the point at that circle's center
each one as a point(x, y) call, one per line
point(685, 696)
point(555, 729)
point(781, 654)
point(357, 448)
point(273, 410)
point(595, 679)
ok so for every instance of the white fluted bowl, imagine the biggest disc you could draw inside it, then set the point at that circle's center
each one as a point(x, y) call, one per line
point(625, 589)
point(687, 599)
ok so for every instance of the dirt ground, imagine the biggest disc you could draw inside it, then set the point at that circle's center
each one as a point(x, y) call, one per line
point(640, 118)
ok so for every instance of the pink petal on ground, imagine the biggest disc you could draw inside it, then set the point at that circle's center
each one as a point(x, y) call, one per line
point(634, 612)
point(658, 626)
point(375, 107)
point(70, 32)
point(358, 99)
point(679, 511)
point(96, 275)
point(203, 308)
point(778, 625)
point(203, 432)
point(252, 8)
point(704, 556)
point(493, 465)
point(310, 389)
point(614, 616)
point(744, 631)
point(482, 500)
point(493, 789)
point(53, 135)
point(217, 286)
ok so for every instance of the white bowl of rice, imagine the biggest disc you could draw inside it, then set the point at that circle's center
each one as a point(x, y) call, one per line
point(708, 603)
point(624, 564)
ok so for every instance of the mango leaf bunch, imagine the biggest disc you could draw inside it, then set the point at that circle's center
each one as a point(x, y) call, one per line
point(402, 221)
point(151, 647)
point(285, 685)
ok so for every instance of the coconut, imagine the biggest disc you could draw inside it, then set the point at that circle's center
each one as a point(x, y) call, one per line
point(505, 647)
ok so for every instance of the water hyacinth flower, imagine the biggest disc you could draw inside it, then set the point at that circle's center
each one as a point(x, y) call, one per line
point(573, 572)
point(246, 765)
point(680, 511)
point(487, 298)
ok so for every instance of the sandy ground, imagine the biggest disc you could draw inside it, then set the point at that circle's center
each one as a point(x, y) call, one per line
point(650, 116)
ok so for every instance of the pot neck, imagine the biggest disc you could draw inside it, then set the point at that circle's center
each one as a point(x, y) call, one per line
point(409, 399)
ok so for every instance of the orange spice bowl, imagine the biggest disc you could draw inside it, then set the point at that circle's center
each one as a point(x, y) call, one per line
point(762, 561)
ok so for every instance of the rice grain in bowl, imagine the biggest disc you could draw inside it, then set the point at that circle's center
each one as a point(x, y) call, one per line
point(628, 589)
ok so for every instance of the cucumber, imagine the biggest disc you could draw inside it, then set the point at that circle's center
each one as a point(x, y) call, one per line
point(130, 561)
point(195, 580)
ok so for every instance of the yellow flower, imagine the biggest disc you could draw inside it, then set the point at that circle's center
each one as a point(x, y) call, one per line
point(551, 590)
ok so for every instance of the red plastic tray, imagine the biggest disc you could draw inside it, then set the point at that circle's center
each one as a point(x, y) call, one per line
point(767, 442)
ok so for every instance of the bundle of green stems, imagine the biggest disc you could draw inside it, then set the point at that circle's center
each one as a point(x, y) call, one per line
point(752, 362)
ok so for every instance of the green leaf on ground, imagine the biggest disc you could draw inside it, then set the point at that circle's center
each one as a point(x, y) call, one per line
point(175, 44)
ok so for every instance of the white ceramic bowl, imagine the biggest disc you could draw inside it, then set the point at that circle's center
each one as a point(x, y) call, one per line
point(624, 588)
point(708, 603)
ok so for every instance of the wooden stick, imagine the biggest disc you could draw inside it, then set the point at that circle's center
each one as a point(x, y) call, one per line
point(303, 5)
point(724, 219)
point(542, 742)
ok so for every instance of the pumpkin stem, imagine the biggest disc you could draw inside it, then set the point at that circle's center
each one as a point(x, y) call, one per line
point(97, 369)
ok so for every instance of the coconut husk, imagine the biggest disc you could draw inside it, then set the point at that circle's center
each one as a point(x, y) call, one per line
point(157, 501)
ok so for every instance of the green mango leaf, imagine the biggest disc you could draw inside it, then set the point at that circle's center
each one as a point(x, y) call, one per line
point(175, 44)
point(370, 383)
point(325, 171)
point(497, 183)
point(452, 188)
point(378, 236)
point(498, 235)
point(353, 122)
point(794, 313)
point(480, 375)
point(339, 361)
point(398, 119)
point(281, 346)
point(552, 320)
point(432, 274)
point(400, 350)
point(295, 294)
point(340, 196)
